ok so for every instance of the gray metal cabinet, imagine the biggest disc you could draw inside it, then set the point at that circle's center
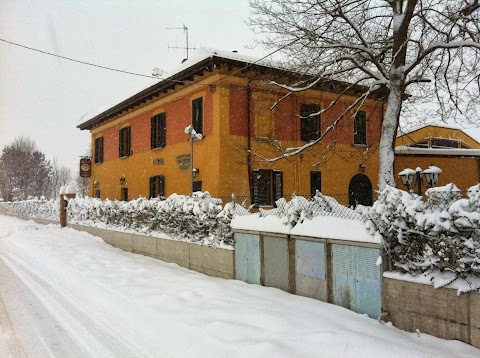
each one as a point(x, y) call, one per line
point(357, 278)
point(247, 257)
point(276, 262)
point(310, 269)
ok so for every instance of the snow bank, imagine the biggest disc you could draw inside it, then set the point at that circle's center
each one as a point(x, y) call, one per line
point(112, 303)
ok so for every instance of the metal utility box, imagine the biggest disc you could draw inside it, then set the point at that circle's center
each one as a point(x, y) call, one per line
point(357, 279)
point(247, 257)
point(276, 262)
point(311, 269)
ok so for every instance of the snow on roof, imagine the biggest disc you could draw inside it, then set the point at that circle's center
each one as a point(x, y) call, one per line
point(403, 149)
point(199, 55)
point(404, 131)
point(207, 52)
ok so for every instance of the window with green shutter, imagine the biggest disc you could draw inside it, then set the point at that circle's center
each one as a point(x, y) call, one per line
point(267, 186)
point(157, 131)
point(124, 142)
point(197, 115)
point(360, 128)
point(157, 186)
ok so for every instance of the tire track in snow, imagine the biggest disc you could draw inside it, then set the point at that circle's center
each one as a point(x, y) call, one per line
point(72, 330)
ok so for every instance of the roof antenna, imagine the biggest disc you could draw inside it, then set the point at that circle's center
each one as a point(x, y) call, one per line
point(185, 29)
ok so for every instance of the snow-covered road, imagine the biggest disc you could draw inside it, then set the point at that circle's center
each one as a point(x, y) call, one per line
point(65, 293)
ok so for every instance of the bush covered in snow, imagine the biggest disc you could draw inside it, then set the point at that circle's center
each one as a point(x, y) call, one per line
point(33, 207)
point(194, 218)
point(442, 234)
point(198, 218)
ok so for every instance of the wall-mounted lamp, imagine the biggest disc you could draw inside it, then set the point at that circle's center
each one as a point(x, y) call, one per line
point(212, 88)
point(96, 184)
point(195, 172)
point(122, 180)
point(362, 167)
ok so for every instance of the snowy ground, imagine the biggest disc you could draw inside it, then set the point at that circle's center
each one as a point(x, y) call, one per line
point(65, 293)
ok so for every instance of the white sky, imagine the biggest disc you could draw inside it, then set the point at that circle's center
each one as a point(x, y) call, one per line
point(45, 98)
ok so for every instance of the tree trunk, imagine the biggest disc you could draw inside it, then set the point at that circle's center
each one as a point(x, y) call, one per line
point(386, 175)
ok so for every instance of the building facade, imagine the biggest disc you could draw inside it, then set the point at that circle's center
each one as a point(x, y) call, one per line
point(446, 147)
point(140, 148)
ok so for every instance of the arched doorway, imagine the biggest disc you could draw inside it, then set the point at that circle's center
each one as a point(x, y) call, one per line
point(360, 191)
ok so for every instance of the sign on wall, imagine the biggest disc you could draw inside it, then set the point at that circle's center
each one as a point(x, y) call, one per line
point(85, 167)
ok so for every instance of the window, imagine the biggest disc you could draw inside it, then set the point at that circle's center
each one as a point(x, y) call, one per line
point(315, 183)
point(197, 186)
point(97, 194)
point(197, 115)
point(360, 128)
point(267, 186)
point(124, 142)
point(99, 150)
point(444, 143)
point(157, 186)
point(157, 131)
point(309, 125)
point(124, 194)
point(420, 144)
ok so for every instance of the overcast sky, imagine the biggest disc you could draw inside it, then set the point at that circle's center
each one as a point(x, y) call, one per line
point(45, 98)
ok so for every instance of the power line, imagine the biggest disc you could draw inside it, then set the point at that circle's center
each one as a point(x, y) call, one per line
point(142, 75)
point(88, 63)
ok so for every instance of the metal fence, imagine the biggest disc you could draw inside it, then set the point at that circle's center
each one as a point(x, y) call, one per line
point(321, 204)
point(441, 200)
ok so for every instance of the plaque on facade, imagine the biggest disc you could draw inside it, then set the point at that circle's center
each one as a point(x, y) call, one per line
point(183, 161)
point(159, 161)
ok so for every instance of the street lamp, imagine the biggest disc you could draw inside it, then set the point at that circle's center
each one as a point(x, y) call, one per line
point(412, 178)
point(193, 136)
point(431, 175)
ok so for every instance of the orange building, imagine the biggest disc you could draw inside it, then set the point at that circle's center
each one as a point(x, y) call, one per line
point(140, 147)
point(446, 147)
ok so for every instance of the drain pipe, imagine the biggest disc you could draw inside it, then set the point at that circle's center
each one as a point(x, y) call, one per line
point(249, 154)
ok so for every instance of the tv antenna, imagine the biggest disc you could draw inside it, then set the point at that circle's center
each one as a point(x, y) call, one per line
point(185, 29)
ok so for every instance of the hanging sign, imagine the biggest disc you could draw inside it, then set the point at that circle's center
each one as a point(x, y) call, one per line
point(85, 167)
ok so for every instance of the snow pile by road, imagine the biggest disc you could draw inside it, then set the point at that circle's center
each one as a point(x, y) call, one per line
point(104, 302)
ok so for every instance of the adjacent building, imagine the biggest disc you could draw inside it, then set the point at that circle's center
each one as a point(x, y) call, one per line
point(140, 148)
point(447, 147)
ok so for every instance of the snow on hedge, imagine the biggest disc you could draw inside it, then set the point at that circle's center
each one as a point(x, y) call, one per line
point(440, 235)
point(33, 207)
point(196, 218)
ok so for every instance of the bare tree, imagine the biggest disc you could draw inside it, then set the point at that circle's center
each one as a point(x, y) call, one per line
point(417, 51)
point(60, 175)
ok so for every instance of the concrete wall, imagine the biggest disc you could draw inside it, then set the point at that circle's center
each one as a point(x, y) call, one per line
point(439, 312)
point(208, 260)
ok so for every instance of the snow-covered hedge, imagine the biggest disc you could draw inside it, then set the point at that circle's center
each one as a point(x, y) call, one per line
point(193, 219)
point(200, 218)
point(33, 207)
point(442, 234)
